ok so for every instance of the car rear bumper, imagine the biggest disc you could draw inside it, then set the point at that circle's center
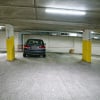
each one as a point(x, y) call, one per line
point(34, 52)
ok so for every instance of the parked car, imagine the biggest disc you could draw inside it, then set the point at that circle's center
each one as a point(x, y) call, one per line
point(34, 47)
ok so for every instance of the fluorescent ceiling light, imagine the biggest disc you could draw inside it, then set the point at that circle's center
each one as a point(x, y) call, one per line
point(1, 27)
point(64, 12)
point(92, 32)
point(54, 33)
point(96, 37)
point(73, 34)
point(80, 31)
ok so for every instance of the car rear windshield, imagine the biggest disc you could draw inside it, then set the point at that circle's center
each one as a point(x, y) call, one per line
point(35, 42)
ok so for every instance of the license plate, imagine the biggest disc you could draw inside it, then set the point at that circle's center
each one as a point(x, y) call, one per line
point(34, 47)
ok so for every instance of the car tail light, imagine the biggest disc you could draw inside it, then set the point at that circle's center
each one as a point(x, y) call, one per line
point(42, 46)
point(26, 47)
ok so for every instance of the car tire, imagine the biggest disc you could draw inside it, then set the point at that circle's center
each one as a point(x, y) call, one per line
point(44, 55)
point(24, 55)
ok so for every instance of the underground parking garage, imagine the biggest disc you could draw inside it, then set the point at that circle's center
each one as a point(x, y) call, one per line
point(71, 33)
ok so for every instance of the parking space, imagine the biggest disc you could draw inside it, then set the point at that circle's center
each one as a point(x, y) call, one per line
point(57, 77)
point(55, 36)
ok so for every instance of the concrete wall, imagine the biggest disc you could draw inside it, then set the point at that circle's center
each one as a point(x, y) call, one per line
point(96, 47)
point(16, 41)
point(54, 43)
point(2, 41)
point(64, 44)
point(78, 45)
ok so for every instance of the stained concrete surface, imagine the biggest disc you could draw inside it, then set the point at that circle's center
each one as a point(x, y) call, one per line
point(56, 77)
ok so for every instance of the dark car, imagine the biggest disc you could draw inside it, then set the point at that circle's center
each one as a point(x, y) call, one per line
point(34, 47)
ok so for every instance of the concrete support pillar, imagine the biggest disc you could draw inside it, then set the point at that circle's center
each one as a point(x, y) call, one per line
point(10, 42)
point(86, 46)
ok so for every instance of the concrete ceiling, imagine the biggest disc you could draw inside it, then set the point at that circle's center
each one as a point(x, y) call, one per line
point(30, 14)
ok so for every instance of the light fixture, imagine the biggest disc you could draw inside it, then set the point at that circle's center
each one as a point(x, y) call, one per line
point(64, 12)
point(73, 34)
point(92, 32)
point(81, 31)
point(96, 37)
point(1, 27)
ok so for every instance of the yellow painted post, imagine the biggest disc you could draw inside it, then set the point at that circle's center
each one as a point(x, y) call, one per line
point(86, 51)
point(10, 43)
point(86, 46)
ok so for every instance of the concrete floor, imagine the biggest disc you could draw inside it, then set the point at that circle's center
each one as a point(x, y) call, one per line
point(56, 77)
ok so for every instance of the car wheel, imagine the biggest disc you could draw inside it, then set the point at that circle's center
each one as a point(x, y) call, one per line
point(44, 55)
point(24, 55)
